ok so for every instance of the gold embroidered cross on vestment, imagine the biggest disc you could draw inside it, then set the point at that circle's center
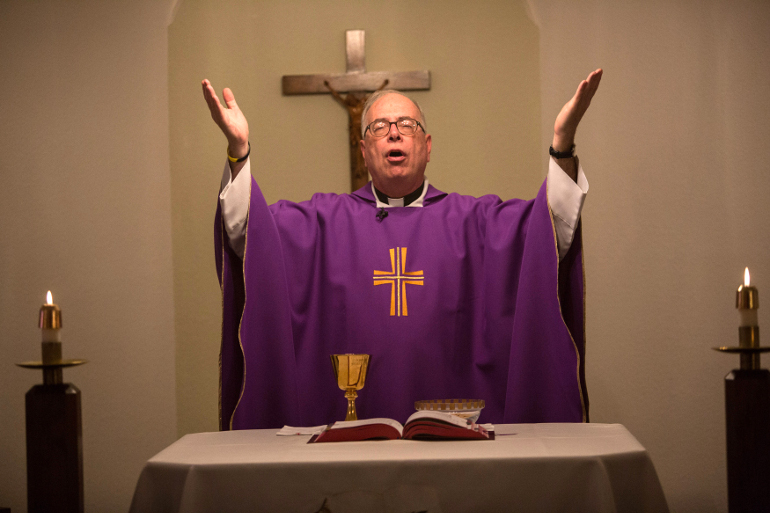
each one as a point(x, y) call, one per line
point(398, 278)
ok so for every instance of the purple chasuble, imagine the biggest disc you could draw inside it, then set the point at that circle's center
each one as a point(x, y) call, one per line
point(463, 298)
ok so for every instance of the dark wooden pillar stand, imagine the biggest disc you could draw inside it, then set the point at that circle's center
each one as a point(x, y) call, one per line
point(747, 413)
point(747, 408)
point(54, 449)
point(54, 435)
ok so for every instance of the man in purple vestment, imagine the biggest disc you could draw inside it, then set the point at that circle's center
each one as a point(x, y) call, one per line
point(453, 296)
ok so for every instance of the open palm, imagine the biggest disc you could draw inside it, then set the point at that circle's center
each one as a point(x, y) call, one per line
point(230, 119)
point(568, 119)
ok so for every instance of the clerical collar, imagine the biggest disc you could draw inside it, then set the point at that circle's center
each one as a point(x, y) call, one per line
point(413, 199)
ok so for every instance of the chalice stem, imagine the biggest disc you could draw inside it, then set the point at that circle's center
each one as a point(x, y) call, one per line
point(350, 395)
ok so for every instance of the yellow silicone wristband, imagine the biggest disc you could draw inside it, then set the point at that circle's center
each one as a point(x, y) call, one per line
point(233, 159)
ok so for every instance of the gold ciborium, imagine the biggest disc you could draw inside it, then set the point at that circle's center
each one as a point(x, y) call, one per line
point(350, 370)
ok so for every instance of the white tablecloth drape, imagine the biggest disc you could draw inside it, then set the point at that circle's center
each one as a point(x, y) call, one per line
point(596, 468)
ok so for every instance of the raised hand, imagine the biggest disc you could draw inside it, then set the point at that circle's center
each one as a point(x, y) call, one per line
point(568, 119)
point(229, 119)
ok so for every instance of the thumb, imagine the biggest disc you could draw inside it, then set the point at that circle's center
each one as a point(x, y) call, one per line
point(227, 94)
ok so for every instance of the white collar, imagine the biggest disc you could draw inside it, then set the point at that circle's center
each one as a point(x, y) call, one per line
point(399, 202)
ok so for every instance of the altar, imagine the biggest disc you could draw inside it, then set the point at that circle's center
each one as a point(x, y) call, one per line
point(597, 468)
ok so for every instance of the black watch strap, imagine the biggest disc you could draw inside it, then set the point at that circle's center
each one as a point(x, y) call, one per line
point(562, 154)
point(241, 159)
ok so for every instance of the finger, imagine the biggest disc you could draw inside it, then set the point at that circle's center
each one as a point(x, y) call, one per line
point(208, 90)
point(581, 90)
point(592, 87)
point(204, 86)
point(592, 82)
point(598, 78)
point(211, 97)
point(594, 79)
point(214, 104)
point(229, 97)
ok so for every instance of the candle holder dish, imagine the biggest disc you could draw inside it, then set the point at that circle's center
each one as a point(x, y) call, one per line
point(749, 355)
point(469, 409)
point(52, 374)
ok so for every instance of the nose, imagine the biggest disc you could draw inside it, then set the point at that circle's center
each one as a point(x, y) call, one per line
point(394, 134)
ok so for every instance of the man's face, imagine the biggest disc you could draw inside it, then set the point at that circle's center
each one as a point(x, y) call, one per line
point(396, 162)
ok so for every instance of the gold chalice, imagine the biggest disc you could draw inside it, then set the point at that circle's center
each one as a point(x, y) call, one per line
point(350, 370)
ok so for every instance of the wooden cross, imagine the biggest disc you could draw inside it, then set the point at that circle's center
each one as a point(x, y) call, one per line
point(358, 84)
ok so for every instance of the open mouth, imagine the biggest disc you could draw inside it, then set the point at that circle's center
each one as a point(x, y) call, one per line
point(395, 156)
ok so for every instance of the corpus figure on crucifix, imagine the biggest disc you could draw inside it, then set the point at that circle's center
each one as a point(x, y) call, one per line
point(452, 296)
point(354, 104)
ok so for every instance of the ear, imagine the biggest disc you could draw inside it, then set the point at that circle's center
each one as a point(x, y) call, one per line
point(428, 145)
point(362, 145)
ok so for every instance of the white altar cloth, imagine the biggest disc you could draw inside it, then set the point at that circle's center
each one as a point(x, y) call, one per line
point(597, 468)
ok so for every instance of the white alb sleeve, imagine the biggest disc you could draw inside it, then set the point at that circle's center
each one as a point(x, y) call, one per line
point(234, 202)
point(565, 197)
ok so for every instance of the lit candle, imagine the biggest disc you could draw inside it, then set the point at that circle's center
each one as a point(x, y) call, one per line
point(747, 301)
point(50, 320)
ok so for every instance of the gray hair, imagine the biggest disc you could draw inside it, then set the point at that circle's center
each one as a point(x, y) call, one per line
point(379, 94)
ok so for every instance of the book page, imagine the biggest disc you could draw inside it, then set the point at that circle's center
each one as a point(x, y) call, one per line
point(343, 424)
point(293, 431)
point(436, 425)
point(441, 416)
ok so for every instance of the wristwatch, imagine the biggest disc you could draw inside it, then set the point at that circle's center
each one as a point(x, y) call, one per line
point(562, 154)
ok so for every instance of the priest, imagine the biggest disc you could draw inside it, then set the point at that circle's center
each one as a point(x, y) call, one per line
point(452, 296)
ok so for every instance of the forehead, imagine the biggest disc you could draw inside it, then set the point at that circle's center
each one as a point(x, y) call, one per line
point(392, 107)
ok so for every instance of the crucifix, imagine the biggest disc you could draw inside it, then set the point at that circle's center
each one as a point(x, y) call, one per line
point(358, 84)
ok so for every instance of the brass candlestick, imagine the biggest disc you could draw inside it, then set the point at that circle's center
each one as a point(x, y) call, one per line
point(350, 371)
point(747, 303)
point(747, 412)
point(53, 426)
point(50, 322)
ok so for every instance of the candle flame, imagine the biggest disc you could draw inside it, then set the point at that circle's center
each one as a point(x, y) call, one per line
point(746, 278)
point(49, 298)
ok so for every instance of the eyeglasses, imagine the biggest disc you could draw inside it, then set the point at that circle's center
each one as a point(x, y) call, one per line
point(381, 127)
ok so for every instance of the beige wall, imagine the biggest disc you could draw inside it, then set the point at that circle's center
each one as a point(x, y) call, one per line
point(677, 208)
point(85, 212)
point(673, 148)
point(486, 53)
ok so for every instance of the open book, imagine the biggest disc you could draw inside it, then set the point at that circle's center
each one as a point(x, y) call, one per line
point(423, 425)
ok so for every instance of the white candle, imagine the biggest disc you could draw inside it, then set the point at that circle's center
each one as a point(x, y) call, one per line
point(50, 320)
point(748, 297)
